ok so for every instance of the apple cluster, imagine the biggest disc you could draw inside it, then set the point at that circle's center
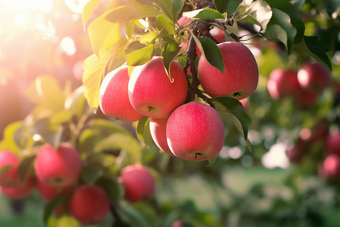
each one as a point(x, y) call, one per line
point(303, 86)
point(57, 173)
point(190, 130)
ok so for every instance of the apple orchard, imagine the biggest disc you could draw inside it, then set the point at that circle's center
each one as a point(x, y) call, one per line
point(201, 113)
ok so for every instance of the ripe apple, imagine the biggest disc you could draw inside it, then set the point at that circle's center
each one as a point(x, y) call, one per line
point(195, 132)
point(282, 83)
point(305, 98)
point(49, 192)
point(20, 191)
point(10, 178)
point(138, 182)
point(314, 77)
point(241, 73)
point(152, 93)
point(113, 96)
point(333, 143)
point(58, 168)
point(89, 204)
point(296, 154)
point(158, 134)
point(330, 168)
point(177, 223)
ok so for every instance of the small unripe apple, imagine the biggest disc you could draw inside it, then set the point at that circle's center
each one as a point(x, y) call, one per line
point(333, 143)
point(18, 192)
point(158, 134)
point(49, 192)
point(138, 182)
point(58, 168)
point(314, 77)
point(89, 204)
point(113, 96)
point(241, 73)
point(10, 178)
point(152, 93)
point(195, 132)
point(282, 83)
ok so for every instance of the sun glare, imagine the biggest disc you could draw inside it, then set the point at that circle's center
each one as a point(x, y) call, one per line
point(20, 19)
point(67, 45)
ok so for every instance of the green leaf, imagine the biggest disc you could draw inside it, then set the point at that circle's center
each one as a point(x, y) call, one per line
point(166, 7)
point(211, 161)
point(130, 28)
point(280, 28)
point(132, 214)
point(141, 127)
point(236, 112)
point(90, 174)
point(111, 188)
point(221, 5)
point(169, 53)
point(177, 6)
point(142, 56)
point(204, 14)
point(50, 132)
point(61, 117)
point(64, 221)
point(107, 127)
point(74, 104)
point(314, 47)
point(261, 12)
point(211, 52)
point(148, 38)
point(5, 168)
point(165, 24)
point(294, 15)
point(88, 9)
point(25, 167)
point(88, 139)
point(233, 5)
point(52, 205)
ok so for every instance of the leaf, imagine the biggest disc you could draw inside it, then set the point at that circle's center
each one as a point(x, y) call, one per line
point(52, 205)
point(64, 221)
point(90, 174)
point(148, 38)
point(177, 6)
point(233, 5)
point(88, 9)
point(51, 133)
point(169, 53)
point(74, 104)
point(294, 15)
point(130, 28)
point(166, 7)
point(141, 56)
point(204, 14)
point(211, 52)
point(132, 214)
point(211, 161)
point(280, 28)
point(61, 117)
point(221, 5)
point(8, 141)
point(165, 24)
point(111, 188)
point(107, 127)
point(5, 168)
point(314, 47)
point(236, 112)
point(261, 12)
point(141, 124)
point(25, 166)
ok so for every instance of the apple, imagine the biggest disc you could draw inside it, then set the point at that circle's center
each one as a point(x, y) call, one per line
point(282, 83)
point(296, 154)
point(49, 192)
point(10, 178)
point(138, 182)
point(305, 98)
point(158, 134)
point(195, 132)
point(89, 204)
point(113, 96)
point(177, 223)
point(58, 168)
point(314, 77)
point(20, 191)
point(152, 93)
point(333, 143)
point(330, 168)
point(241, 73)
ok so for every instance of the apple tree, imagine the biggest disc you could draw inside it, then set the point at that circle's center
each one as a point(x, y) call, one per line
point(173, 89)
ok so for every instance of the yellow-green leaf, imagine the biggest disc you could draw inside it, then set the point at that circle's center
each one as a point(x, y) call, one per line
point(148, 38)
point(142, 56)
point(88, 10)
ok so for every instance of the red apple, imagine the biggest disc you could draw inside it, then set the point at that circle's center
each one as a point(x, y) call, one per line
point(282, 83)
point(58, 168)
point(10, 178)
point(18, 192)
point(177, 223)
point(138, 182)
point(314, 77)
point(113, 96)
point(305, 98)
point(152, 93)
point(330, 168)
point(296, 154)
point(333, 143)
point(241, 73)
point(49, 192)
point(158, 134)
point(195, 132)
point(89, 204)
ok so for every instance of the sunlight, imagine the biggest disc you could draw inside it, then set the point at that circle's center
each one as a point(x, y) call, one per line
point(67, 45)
point(20, 19)
point(276, 157)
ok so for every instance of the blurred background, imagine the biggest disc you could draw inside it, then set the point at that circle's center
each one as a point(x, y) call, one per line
point(283, 181)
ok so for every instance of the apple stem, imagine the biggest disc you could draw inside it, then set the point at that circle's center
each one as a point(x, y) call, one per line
point(197, 154)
